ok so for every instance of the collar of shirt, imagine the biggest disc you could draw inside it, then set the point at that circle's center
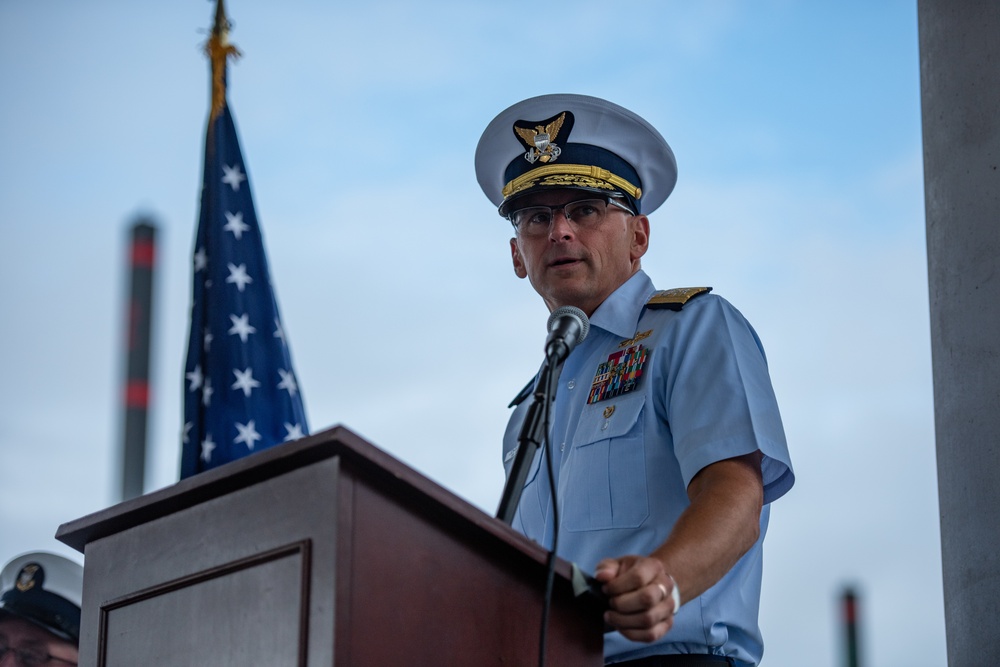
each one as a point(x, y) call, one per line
point(619, 314)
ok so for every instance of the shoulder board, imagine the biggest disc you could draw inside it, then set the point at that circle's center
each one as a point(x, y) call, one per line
point(524, 393)
point(674, 299)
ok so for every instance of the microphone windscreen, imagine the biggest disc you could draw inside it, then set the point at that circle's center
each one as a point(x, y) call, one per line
point(569, 311)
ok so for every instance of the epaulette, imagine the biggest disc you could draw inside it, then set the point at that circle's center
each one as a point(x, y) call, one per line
point(524, 393)
point(674, 299)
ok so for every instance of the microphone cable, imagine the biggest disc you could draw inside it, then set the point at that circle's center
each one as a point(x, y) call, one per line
point(550, 572)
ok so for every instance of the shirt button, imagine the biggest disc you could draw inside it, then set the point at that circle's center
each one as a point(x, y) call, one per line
point(571, 384)
point(562, 447)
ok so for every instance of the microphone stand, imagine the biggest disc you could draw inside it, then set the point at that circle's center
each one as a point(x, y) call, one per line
point(568, 326)
point(531, 437)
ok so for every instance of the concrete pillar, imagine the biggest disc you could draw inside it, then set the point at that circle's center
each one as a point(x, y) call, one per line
point(960, 98)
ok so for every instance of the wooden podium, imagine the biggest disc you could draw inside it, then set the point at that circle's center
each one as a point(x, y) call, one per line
point(325, 551)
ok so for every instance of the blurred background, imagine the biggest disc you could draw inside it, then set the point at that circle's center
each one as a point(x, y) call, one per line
point(796, 127)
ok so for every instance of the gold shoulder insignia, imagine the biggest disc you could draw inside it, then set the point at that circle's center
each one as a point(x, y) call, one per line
point(674, 299)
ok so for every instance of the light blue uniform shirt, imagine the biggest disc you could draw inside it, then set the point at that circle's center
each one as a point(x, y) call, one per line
point(623, 464)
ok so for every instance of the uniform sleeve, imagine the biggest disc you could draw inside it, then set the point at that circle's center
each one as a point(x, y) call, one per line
point(719, 399)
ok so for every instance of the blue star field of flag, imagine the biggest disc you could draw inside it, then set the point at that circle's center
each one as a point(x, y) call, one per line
point(240, 391)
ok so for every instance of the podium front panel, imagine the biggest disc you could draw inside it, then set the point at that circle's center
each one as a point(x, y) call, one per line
point(249, 572)
point(250, 595)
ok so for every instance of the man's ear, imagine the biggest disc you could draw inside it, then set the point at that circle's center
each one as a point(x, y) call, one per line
point(640, 237)
point(515, 254)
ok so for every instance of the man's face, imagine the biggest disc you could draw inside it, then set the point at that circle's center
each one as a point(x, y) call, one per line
point(23, 636)
point(579, 266)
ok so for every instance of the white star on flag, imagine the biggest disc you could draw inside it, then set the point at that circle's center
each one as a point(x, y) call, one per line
point(248, 434)
point(206, 448)
point(195, 377)
point(287, 381)
point(200, 260)
point(245, 381)
point(294, 432)
point(241, 326)
point(186, 433)
point(279, 332)
point(235, 224)
point(238, 275)
point(233, 176)
point(206, 393)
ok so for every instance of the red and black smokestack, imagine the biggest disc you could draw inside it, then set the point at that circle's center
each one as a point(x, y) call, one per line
point(849, 606)
point(142, 261)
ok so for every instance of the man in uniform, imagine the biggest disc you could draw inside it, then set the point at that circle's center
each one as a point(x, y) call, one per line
point(40, 597)
point(665, 433)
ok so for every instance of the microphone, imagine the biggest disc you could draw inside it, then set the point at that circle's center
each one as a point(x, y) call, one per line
point(568, 326)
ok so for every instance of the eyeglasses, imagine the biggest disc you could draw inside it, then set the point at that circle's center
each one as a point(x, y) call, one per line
point(534, 221)
point(28, 657)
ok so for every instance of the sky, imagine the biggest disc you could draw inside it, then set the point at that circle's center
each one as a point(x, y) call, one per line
point(796, 127)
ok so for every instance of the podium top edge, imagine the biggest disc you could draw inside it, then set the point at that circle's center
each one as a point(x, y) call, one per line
point(337, 441)
point(219, 481)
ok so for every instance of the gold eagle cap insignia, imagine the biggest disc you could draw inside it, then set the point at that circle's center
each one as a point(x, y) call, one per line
point(540, 138)
point(550, 131)
point(26, 577)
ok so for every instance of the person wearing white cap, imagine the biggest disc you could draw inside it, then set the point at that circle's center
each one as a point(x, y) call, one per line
point(665, 436)
point(40, 598)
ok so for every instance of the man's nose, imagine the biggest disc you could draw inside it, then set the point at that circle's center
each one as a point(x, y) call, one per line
point(560, 227)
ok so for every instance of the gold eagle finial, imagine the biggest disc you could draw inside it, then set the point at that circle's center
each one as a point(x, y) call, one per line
point(219, 50)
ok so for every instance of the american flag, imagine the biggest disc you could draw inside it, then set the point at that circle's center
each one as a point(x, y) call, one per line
point(240, 391)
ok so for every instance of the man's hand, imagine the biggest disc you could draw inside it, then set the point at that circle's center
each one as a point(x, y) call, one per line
point(640, 595)
point(714, 531)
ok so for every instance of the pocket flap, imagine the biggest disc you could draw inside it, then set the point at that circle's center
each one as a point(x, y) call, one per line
point(609, 419)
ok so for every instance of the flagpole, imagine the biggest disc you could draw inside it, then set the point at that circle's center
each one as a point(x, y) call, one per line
point(241, 394)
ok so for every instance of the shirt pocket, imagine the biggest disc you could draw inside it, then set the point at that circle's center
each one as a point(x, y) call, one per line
point(605, 477)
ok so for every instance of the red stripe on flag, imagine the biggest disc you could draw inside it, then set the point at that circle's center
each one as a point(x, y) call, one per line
point(137, 394)
point(143, 253)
